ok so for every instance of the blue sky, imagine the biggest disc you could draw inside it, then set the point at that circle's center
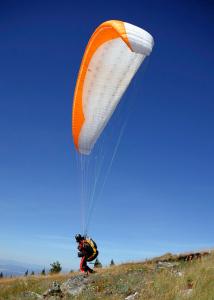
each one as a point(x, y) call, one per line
point(159, 197)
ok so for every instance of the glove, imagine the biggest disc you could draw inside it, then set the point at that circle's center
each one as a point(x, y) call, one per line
point(80, 254)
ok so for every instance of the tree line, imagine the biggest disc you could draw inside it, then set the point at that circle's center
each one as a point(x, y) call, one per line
point(56, 268)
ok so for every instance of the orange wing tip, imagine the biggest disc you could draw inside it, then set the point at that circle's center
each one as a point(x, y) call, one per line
point(136, 38)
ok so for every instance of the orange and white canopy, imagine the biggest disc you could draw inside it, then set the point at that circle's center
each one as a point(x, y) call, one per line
point(112, 57)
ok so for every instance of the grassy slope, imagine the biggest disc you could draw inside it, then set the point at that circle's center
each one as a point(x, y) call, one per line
point(120, 281)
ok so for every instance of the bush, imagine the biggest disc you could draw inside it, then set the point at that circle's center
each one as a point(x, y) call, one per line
point(43, 272)
point(55, 268)
point(112, 263)
point(97, 264)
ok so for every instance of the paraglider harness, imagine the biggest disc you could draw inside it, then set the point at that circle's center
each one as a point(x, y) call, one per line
point(88, 248)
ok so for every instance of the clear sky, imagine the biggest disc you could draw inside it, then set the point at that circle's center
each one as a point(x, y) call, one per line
point(160, 195)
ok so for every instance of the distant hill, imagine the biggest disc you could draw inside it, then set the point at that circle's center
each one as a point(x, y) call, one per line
point(15, 268)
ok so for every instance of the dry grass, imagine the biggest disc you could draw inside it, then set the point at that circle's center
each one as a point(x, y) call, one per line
point(117, 282)
point(13, 288)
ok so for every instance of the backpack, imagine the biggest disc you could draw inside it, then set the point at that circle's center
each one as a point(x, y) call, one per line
point(92, 244)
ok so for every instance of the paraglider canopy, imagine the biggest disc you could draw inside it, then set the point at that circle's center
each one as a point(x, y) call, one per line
point(113, 55)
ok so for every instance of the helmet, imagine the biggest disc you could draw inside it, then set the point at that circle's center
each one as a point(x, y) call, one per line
point(78, 237)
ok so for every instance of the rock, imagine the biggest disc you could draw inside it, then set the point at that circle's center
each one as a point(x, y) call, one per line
point(166, 265)
point(178, 273)
point(54, 292)
point(31, 296)
point(187, 292)
point(132, 297)
point(74, 286)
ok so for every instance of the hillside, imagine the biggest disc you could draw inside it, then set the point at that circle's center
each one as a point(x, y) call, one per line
point(167, 277)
